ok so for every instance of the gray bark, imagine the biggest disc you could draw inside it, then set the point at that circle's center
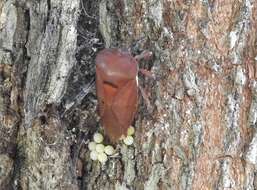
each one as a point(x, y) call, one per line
point(201, 132)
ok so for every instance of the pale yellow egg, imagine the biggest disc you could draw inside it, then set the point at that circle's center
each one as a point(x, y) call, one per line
point(99, 148)
point(91, 145)
point(131, 131)
point(98, 137)
point(93, 155)
point(109, 150)
point(128, 140)
point(102, 157)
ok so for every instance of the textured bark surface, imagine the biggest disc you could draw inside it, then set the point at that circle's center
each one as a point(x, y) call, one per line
point(201, 132)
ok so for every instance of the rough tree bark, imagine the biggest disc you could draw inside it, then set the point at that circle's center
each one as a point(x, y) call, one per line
point(201, 132)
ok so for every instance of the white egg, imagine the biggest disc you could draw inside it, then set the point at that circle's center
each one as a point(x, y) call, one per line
point(93, 155)
point(131, 131)
point(128, 140)
point(91, 145)
point(102, 157)
point(99, 148)
point(109, 150)
point(98, 137)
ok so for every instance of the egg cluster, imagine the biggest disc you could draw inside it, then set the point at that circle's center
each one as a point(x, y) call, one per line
point(100, 152)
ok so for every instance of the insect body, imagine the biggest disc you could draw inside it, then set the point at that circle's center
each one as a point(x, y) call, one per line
point(117, 90)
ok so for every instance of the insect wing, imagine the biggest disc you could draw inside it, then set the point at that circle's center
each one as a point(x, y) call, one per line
point(125, 104)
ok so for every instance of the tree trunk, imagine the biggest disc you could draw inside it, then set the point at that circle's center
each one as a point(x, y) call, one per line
point(201, 129)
